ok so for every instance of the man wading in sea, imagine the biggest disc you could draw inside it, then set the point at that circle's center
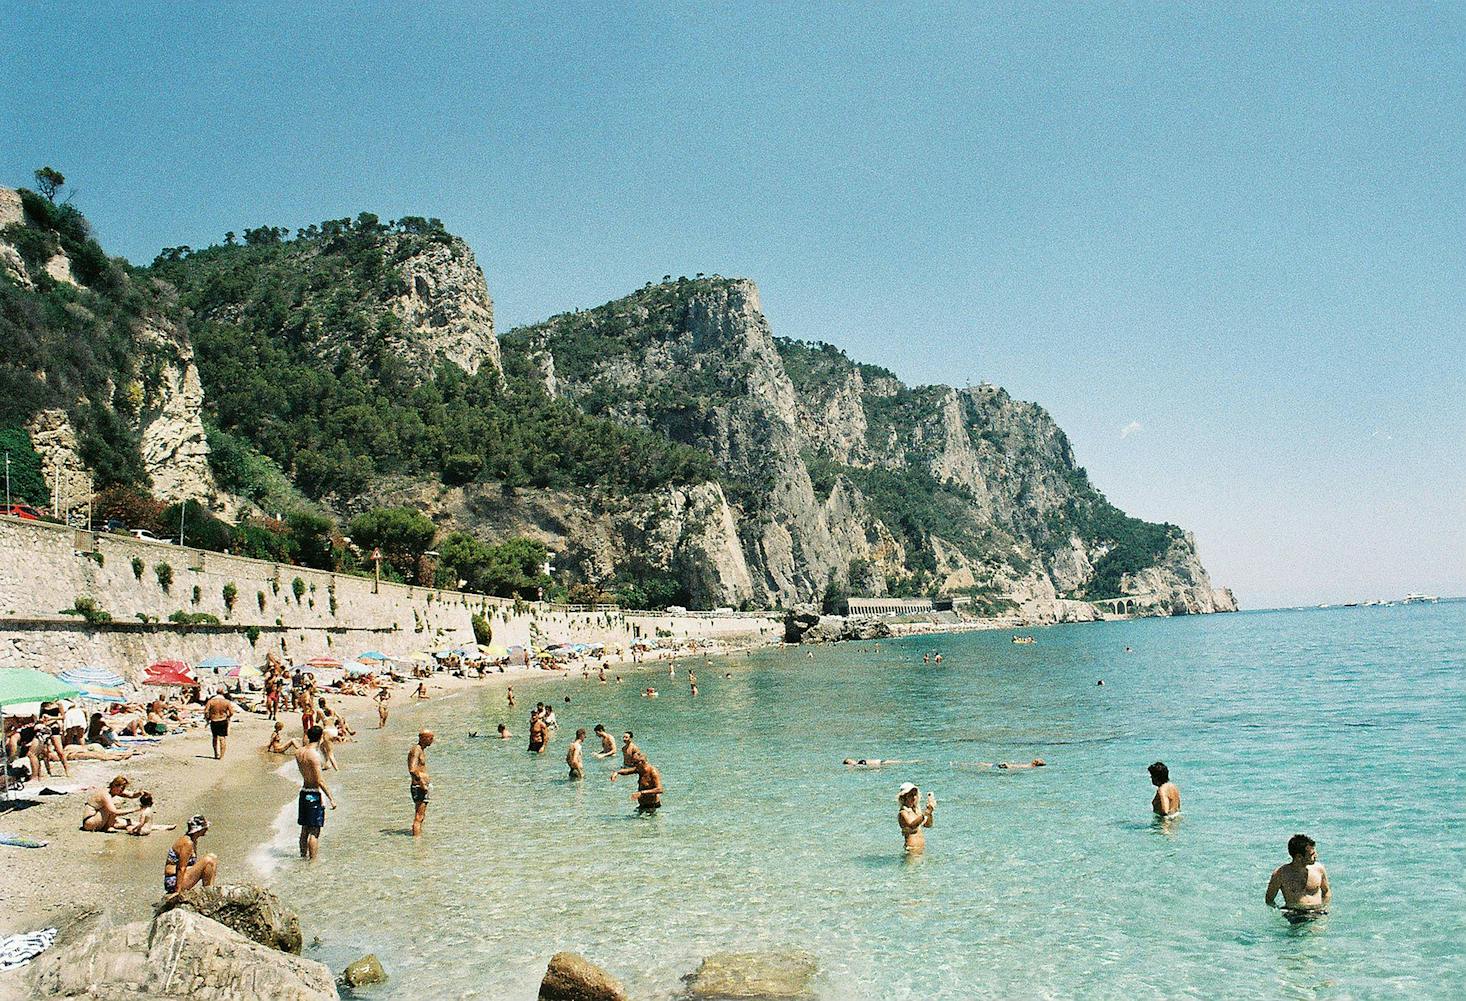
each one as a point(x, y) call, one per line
point(608, 744)
point(648, 795)
point(573, 758)
point(913, 820)
point(417, 771)
point(1167, 801)
point(1303, 881)
point(217, 711)
point(310, 811)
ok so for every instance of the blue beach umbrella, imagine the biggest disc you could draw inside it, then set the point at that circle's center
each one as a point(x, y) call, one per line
point(218, 663)
point(98, 684)
point(372, 655)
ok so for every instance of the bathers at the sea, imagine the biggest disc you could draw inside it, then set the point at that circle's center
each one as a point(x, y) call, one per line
point(219, 727)
point(311, 809)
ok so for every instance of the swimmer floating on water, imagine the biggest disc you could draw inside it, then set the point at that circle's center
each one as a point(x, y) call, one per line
point(876, 762)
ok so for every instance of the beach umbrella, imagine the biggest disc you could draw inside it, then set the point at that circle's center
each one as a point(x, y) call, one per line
point(20, 685)
point(418, 655)
point(169, 673)
point(92, 676)
point(245, 671)
point(372, 655)
point(493, 652)
point(218, 663)
point(99, 684)
point(323, 662)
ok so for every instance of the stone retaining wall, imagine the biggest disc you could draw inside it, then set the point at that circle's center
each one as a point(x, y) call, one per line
point(44, 568)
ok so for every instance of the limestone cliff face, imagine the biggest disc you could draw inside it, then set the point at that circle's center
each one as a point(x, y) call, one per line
point(444, 306)
point(174, 447)
point(838, 468)
point(156, 388)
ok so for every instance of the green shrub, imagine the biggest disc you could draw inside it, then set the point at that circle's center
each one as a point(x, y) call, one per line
point(198, 594)
point(260, 599)
point(252, 634)
point(164, 573)
point(297, 586)
point(26, 482)
point(483, 633)
point(231, 594)
point(88, 609)
point(193, 618)
point(137, 567)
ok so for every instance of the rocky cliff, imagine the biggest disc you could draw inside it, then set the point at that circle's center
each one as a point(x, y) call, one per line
point(98, 362)
point(840, 477)
point(667, 443)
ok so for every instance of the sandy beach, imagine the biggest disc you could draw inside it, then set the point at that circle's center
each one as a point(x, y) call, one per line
point(79, 872)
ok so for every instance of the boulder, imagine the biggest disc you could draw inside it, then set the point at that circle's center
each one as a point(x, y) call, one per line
point(178, 956)
point(572, 977)
point(365, 971)
point(754, 976)
point(251, 910)
point(799, 620)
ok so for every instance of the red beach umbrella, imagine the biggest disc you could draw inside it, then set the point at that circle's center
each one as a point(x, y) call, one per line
point(323, 662)
point(169, 673)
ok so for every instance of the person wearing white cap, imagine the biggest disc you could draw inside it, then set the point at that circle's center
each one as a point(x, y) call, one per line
point(913, 820)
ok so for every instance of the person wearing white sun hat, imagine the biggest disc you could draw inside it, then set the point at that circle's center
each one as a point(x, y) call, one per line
point(913, 820)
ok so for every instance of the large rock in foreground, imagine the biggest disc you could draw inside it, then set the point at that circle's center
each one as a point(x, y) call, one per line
point(179, 956)
point(572, 977)
point(754, 976)
point(253, 911)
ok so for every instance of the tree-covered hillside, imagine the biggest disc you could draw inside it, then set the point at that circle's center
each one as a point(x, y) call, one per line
point(293, 340)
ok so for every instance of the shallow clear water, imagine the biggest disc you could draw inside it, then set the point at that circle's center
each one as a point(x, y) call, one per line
point(1053, 883)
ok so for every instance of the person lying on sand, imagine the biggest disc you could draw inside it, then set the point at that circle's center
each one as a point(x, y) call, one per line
point(101, 812)
point(94, 752)
point(141, 824)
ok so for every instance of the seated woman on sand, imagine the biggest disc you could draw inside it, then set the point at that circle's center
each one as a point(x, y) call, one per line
point(101, 812)
point(98, 732)
point(278, 743)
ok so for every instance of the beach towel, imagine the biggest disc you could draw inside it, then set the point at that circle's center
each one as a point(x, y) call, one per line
point(17, 950)
point(19, 841)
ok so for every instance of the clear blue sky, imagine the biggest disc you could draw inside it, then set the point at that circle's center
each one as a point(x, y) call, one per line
point(1240, 236)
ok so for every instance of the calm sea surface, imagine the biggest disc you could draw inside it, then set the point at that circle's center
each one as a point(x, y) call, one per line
point(1052, 883)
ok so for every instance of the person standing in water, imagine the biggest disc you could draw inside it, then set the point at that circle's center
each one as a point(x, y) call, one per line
point(419, 785)
point(310, 811)
point(510, 696)
point(539, 733)
point(573, 758)
point(912, 820)
point(383, 697)
point(1167, 801)
point(1303, 881)
point(629, 750)
point(608, 743)
point(648, 795)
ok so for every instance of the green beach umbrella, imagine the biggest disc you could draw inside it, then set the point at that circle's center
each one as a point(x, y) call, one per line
point(26, 684)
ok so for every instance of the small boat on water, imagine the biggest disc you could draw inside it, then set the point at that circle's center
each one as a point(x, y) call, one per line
point(1416, 598)
point(1021, 640)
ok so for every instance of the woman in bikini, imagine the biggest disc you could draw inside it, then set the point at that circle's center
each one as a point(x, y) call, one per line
point(183, 868)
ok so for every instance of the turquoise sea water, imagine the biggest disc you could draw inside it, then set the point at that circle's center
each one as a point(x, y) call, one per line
point(1052, 883)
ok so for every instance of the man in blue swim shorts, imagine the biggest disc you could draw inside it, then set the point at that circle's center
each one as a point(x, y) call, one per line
point(311, 811)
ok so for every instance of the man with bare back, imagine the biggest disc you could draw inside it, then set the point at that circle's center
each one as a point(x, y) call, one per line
point(311, 809)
